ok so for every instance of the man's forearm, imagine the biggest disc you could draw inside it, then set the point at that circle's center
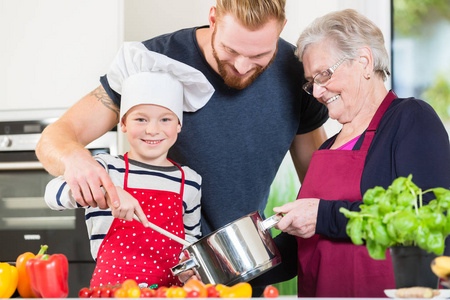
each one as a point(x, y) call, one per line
point(84, 122)
point(55, 145)
point(303, 147)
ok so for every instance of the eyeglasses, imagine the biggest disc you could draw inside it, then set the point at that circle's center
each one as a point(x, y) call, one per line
point(321, 78)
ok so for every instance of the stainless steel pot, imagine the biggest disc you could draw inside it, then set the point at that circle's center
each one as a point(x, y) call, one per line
point(237, 252)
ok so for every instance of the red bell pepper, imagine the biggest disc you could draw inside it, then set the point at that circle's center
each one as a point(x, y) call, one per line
point(49, 275)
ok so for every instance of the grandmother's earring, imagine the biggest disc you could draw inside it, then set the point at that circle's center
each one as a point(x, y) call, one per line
point(367, 76)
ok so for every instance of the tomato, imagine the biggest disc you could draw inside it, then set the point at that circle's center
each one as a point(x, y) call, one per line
point(176, 292)
point(197, 285)
point(129, 283)
point(161, 292)
point(169, 291)
point(239, 290)
point(147, 293)
point(96, 292)
point(114, 289)
point(193, 294)
point(106, 292)
point(120, 293)
point(84, 293)
point(270, 292)
point(212, 291)
point(134, 292)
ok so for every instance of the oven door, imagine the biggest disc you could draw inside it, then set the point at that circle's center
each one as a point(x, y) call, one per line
point(26, 221)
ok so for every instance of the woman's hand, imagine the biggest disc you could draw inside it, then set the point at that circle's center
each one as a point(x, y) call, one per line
point(128, 207)
point(300, 217)
point(186, 275)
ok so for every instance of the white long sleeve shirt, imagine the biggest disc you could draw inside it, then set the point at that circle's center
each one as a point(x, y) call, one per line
point(98, 221)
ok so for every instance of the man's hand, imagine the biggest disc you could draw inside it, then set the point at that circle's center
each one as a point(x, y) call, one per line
point(86, 178)
point(300, 217)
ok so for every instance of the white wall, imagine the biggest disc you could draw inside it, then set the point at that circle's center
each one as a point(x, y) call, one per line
point(148, 18)
point(53, 51)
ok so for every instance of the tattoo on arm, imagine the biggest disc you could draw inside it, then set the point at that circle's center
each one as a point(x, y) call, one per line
point(103, 97)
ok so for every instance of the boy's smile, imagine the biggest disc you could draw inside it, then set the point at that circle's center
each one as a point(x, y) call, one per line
point(151, 131)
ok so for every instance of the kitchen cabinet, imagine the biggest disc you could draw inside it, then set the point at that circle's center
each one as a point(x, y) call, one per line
point(53, 52)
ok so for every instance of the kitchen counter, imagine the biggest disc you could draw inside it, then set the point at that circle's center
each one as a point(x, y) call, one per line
point(280, 297)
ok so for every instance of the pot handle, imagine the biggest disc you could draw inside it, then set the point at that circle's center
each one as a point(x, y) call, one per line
point(188, 264)
point(270, 222)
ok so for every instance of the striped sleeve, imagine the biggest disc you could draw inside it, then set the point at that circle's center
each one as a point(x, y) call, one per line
point(98, 222)
point(58, 196)
point(192, 208)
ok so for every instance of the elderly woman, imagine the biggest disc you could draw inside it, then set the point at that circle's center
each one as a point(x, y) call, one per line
point(382, 137)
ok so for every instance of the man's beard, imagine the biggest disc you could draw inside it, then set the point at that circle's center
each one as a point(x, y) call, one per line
point(229, 78)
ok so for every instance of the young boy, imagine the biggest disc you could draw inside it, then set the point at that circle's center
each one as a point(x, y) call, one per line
point(150, 186)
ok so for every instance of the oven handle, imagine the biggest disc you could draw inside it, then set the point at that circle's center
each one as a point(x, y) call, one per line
point(27, 165)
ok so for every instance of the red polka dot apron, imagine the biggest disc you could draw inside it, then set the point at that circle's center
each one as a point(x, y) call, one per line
point(336, 267)
point(132, 251)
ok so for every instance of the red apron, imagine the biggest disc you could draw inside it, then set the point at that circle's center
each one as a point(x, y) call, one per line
point(336, 267)
point(131, 251)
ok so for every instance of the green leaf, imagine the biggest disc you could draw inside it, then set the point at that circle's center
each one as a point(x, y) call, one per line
point(442, 197)
point(435, 243)
point(355, 230)
point(405, 223)
point(380, 232)
point(421, 236)
point(372, 194)
point(376, 251)
point(406, 199)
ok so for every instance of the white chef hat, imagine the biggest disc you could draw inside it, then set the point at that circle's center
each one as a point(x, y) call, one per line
point(146, 77)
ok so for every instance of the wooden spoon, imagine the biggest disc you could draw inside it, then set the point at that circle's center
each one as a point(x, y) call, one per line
point(165, 232)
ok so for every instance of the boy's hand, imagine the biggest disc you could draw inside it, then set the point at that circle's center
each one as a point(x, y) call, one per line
point(128, 207)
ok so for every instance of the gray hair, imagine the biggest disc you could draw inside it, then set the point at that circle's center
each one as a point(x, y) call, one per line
point(349, 31)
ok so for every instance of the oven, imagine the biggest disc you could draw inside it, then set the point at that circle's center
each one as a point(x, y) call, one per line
point(26, 222)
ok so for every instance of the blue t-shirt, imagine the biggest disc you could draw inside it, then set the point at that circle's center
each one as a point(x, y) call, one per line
point(238, 140)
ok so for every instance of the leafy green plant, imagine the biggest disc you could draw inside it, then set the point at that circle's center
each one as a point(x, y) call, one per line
point(397, 216)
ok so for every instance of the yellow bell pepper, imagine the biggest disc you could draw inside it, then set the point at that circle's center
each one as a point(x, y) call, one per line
point(8, 280)
point(221, 288)
point(239, 290)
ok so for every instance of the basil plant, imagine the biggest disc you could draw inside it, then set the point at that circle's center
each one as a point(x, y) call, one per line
point(396, 216)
